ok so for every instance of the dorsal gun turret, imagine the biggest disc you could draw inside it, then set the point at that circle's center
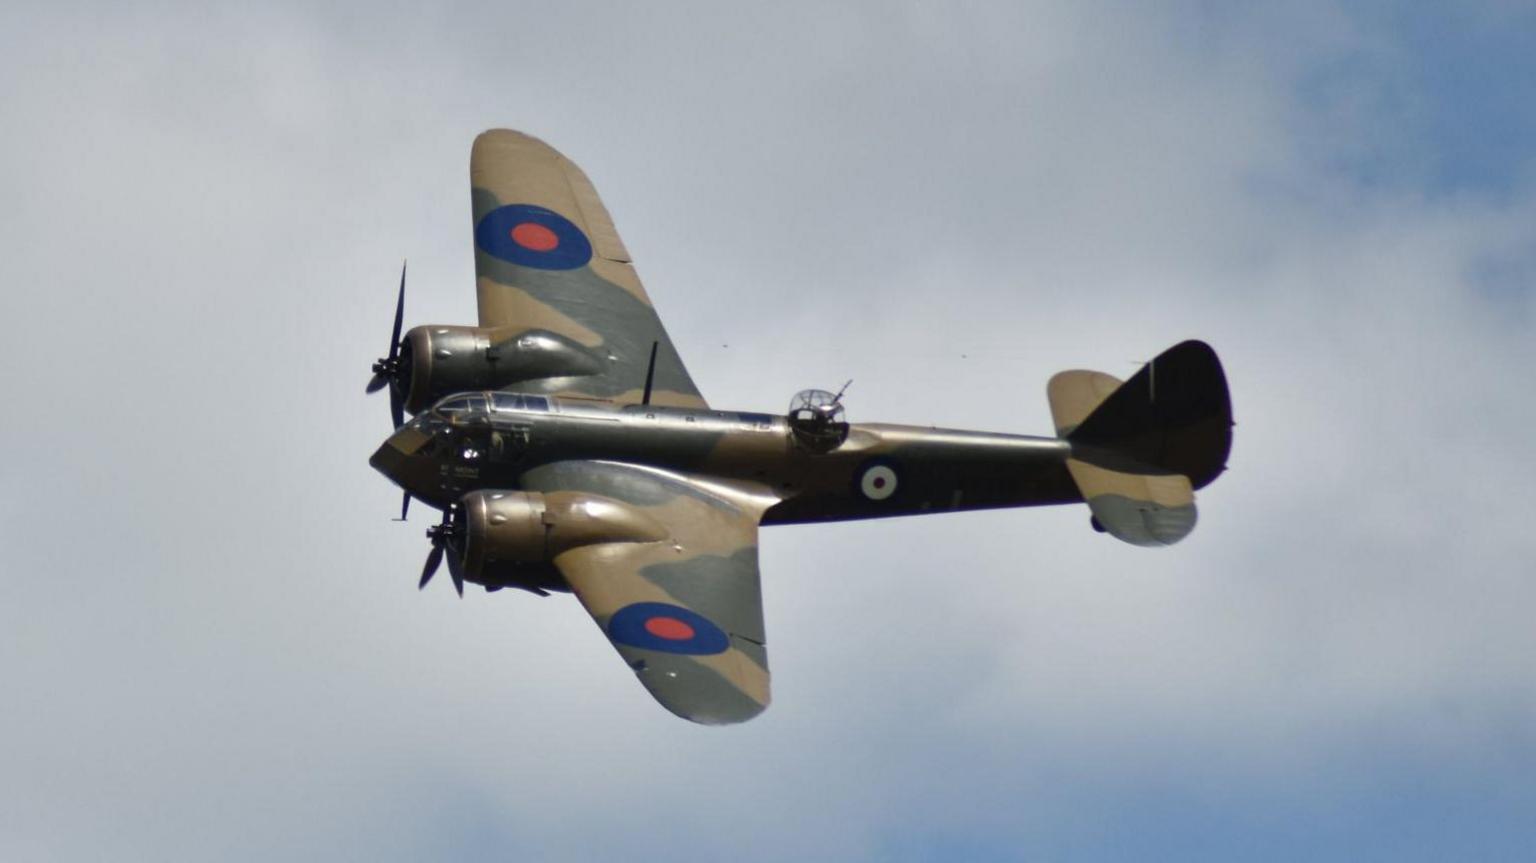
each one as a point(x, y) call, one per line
point(816, 417)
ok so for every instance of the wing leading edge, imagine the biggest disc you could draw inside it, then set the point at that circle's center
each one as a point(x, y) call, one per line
point(549, 260)
point(685, 613)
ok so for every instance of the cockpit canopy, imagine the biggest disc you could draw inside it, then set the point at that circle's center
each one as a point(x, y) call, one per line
point(460, 403)
point(479, 403)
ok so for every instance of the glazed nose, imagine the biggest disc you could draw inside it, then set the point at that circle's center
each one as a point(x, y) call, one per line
point(392, 457)
point(387, 460)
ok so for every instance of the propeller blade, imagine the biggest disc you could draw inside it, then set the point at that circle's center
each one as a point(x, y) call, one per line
point(455, 570)
point(387, 372)
point(394, 338)
point(433, 559)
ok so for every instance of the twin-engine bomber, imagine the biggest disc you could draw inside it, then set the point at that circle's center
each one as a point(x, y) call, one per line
point(569, 449)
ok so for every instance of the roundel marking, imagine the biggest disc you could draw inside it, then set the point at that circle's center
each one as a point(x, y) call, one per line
point(667, 628)
point(878, 481)
point(533, 236)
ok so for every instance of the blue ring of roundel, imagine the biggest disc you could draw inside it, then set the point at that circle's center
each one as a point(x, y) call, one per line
point(494, 235)
point(627, 626)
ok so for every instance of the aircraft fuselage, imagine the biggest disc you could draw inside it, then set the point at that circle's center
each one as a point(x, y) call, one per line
point(878, 470)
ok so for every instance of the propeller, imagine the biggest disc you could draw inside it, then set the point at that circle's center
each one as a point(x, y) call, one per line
point(448, 535)
point(393, 370)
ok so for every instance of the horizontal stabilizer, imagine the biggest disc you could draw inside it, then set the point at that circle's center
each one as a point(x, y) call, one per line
point(1075, 394)
point(1141, 509)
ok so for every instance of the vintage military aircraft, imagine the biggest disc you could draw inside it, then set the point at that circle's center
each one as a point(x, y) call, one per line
point(570, 450)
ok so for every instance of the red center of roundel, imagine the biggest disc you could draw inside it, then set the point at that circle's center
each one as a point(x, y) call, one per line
point(879, 482)
point(535, 237)
point(669, 628)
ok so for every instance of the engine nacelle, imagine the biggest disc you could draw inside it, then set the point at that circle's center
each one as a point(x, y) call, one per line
point(510, 537)
point(449, 359)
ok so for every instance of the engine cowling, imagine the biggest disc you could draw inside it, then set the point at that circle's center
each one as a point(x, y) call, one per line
point(448, 359)
point(511, 537)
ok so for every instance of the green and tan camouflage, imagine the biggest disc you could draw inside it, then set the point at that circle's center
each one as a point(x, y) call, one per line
point(569, 478)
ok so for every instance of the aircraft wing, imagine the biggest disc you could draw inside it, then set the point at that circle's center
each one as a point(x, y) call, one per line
point(685, 613)
point(548, 260)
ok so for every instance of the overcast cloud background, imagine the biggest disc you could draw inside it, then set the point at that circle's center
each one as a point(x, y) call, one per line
point(211, 643)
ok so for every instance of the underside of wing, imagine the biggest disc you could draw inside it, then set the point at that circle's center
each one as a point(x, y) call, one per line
point(685, 612)
point(549, 264)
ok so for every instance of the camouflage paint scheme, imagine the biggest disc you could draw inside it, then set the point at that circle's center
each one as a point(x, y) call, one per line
point(649, 512)
point(600, 306)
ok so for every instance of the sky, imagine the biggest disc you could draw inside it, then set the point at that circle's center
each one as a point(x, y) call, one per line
point(211, 641)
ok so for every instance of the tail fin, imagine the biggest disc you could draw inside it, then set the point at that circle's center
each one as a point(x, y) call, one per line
point(1141, 448)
